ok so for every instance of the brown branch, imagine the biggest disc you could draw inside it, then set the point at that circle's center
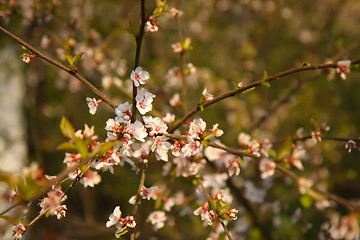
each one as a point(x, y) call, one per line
point(279, 167)
point(253, 85)
point(209, 199)
point(78, 76)
point(138, 39)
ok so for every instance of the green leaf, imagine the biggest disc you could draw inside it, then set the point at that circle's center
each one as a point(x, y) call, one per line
point(161, 9)
point(82, 147)
point(187, 44)
point(77, 58)
point(67, 146)
point(272, 153)
point(210, 136)
point(70, 59)
point(306, 201)
point(263, 80)
point(205, 143)
point(104, 148)
point(248, 90)
point(242, 160)
point(67, 129)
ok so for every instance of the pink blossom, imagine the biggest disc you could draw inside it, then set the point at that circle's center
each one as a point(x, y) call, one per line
point(169, 118)
point(155, 125)
point(138, 131)
point(177, 47)
point(192, 147)
point(208, 96)
point(267, 168)
point(52, 202)
point(28, 57)
point(343, 68)
point(145, 193)
point(144, 101)
point(204, 213)
point(157, 218)
point(161, 147)
point(175, 100)
point(93, 104)
point(19, 230)
point(123, 112)
point(197, 128)
point(139, 76)
point(304, 184)
point(232, 163)
point(90, 178)
point(351, 144)
point(243, 139)
point(151, 25)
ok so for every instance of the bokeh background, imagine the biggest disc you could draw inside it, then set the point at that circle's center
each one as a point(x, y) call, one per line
point(233, 41)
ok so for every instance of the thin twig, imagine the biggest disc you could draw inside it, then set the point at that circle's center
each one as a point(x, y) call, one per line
point(253, 85)
point(138, 39)
point(208, 197)
point(78, 76)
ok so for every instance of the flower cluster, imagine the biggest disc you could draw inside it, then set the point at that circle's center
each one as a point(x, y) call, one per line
point(121, 224)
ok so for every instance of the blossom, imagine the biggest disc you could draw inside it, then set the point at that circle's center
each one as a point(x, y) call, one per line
point(145, 193)
point(304, 184)
point(351, 144)
point(175, 100)
point(192, 147)
point(208, 96)
point(19, 230)
point(169, 118)
point(93, 104)
point(267, 168)
point(160, 147)
point(204, 213)
point(243, 139)
point(232, 214)
point(345, 227)
point(177, 47)
point(144, 101)
point(154, 125)
point(28, 57)
point(197, 128)
point(343, 67)
point(91, 178)
point(138, 131)
point(123, 112)
point(151, 25)
point(52, 202)
point(139, 76)
point(157, 218)
point(295, 158)
point(232, 163)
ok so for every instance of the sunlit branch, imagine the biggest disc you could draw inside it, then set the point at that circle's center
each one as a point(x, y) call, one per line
point(254, 85)
point(331, 196)
point(61, 66)
point(208, 197)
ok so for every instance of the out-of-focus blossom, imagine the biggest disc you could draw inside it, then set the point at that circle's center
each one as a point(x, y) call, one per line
point(343, 68)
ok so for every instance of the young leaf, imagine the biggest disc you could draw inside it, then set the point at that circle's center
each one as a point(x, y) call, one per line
point(67, 129)
point(70, 59)
point(77, 58)
point(263, 80)
point(66, 146)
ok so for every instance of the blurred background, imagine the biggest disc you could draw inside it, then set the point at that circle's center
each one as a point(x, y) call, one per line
point(233, 41)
